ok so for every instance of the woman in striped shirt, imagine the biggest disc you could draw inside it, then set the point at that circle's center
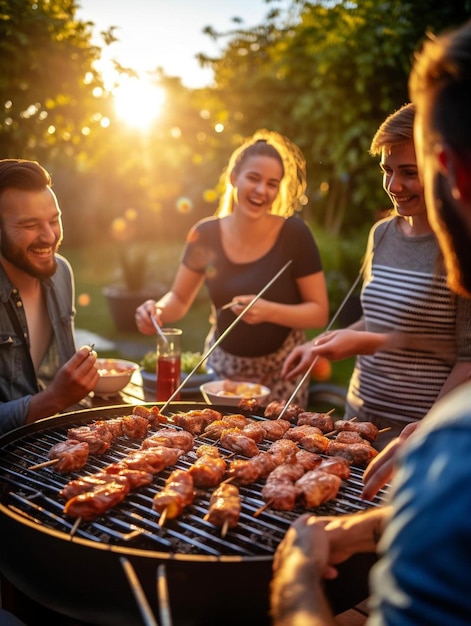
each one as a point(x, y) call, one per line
point(413, 342)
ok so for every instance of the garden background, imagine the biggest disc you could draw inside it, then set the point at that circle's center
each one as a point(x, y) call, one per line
point(324, 73)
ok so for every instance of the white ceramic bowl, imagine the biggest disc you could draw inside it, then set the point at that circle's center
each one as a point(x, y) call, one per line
point(114, 376)
point(230, 392)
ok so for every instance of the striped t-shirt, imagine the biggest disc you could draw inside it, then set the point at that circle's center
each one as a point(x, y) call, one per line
point(405, 290)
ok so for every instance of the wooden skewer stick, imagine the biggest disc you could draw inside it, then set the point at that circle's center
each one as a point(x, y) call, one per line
point(331, 411)
point(384, 430)
point(75, 526)
point(262, 508)
point(332, 432)
point(45, 464)
point(163, 517)
point(225, 528)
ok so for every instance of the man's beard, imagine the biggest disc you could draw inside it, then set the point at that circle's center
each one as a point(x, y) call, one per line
point(17, 257)
point(453, 238)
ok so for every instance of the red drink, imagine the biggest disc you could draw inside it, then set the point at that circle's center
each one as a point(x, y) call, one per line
point(168, 377)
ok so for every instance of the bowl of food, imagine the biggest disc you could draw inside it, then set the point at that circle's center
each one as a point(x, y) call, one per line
point(231, 392)
point(115, 374)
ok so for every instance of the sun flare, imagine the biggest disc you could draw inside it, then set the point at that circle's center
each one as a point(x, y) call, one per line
point(138, 102)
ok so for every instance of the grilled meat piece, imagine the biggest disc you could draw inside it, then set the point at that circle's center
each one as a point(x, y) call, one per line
point(309, 460)
point(153, 414)
point(208, 471)
point(359, 454)
point(280, 491)
point(349, 436)
point(274, 429)
point(133, 479)
point(284, 451)
point(224, 506)
point(246, 471)
point(134, 426)
point(98, 436)
point(309, 437)
point(319, 420)
point(170, 438)
point(91, 504)
point(206, 450)
point(255, 431)
point(234, 439)
point(274, 408)
point(177, 494)
point(317, 487)
point(366, 429)
point(337, 465)
point(152, 460)
point(214, 430)
point(71, 455)
point(197, 420)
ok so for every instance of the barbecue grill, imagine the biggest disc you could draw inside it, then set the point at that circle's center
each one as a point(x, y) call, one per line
point(76, 571)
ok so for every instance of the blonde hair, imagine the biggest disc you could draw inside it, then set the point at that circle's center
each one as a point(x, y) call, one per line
point(396, 128)
point(292, 193)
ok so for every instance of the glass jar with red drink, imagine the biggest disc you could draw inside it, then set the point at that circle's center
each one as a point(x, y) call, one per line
point(168, 363)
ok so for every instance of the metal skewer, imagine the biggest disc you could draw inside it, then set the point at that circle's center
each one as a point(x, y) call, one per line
point(163, 596)
point(144, 607)
point(314, 361)
point(159, 331)
point(224, 334)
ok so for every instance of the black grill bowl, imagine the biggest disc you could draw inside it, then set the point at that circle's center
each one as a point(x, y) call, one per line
point(81, 576)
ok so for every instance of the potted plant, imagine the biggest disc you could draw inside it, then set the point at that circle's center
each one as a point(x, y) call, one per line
point(132, 287)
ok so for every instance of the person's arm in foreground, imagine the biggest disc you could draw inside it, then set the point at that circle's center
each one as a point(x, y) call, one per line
point(308, 553)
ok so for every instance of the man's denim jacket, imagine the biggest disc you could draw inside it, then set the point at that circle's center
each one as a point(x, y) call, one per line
point(18, 381)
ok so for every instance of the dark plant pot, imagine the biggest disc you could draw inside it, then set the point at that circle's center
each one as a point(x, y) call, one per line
point(123, 303)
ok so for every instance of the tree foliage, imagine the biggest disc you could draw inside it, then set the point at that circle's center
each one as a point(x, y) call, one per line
point(327, 78)
point(324, 73)
point(49, 88)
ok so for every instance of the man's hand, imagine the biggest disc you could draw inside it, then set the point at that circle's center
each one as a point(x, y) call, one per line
point(73, 381)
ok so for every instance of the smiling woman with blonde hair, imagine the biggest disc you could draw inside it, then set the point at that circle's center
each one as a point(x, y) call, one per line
point(254, 233)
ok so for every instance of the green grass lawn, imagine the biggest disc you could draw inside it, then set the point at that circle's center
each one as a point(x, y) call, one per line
point(95, 267)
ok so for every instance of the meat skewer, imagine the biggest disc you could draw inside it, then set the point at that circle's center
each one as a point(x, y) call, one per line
point(356, 453)
point(309, 437)
point(275, 409)
point(170, 438)
point(317, 487)
point(196, 421)
point(134, 478)
point(367, 430)
point(280, 491)
point(224, 507)
point(104, 492)
point(177, 494)
point(319, 420)
point(234, 439)
point(67, 456)
point(208, 470)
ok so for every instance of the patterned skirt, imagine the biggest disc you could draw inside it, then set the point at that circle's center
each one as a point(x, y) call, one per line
point(264, 370)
